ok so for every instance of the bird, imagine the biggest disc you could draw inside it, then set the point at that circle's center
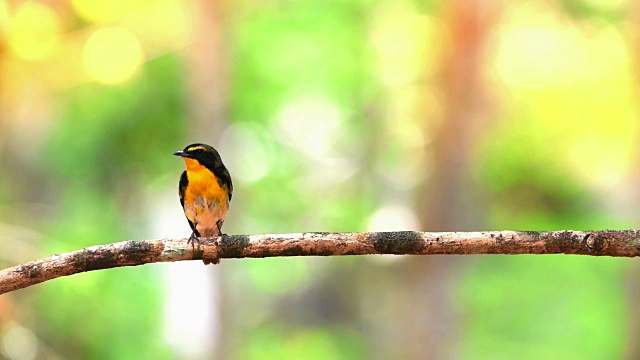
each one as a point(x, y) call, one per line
point(205, 190)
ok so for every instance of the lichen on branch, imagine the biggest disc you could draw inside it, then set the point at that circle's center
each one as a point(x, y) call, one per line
point(621, 243)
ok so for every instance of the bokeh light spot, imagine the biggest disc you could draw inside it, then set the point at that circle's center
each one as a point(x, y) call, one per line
point(106, 10)
point(34, 31)
point(407, 44)
point(19, 343)
point(112, 55)
point(249, 158)
point(393, 218)
point(544, 51)
point(311, 123)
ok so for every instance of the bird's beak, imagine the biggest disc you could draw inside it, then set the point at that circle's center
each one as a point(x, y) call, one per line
point(180, 153)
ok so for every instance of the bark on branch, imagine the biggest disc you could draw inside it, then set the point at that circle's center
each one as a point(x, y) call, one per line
point(623, 243)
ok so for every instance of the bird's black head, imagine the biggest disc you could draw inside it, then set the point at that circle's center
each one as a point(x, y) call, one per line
point(202, 153)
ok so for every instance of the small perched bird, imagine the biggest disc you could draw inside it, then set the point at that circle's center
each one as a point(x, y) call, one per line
point(205, 190)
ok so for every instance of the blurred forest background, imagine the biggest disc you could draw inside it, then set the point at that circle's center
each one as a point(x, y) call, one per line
point(331, 116)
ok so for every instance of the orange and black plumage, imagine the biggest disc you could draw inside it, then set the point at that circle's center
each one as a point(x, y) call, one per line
point(205, 190)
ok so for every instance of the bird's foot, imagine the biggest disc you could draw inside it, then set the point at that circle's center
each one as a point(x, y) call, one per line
point(193, 239)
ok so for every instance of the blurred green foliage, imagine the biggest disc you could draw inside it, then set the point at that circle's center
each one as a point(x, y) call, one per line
point(106, 143)
point(535, 308)
point(324, 129)
point(309, 344)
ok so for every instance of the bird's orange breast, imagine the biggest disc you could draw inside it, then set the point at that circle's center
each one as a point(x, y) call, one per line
point(205, 202)
point(202, 182)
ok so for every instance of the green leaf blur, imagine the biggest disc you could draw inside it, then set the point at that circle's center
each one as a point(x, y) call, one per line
point(330, 116)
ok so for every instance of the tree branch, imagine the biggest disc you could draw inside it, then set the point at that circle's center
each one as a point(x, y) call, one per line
point(623, 243)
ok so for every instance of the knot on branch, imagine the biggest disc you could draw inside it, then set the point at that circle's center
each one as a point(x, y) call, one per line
point(596, 243)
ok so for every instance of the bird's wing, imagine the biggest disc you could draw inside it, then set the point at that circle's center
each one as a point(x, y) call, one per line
point(230, 187)
point(182, 187)
point(224, 179)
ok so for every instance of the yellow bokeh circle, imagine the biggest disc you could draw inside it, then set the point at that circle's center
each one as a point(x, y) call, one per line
point(34, 31)
point(112, 55)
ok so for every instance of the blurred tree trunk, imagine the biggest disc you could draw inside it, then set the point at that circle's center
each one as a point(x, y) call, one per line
point(448, 198)
point(207, 88)
point(208, 76)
